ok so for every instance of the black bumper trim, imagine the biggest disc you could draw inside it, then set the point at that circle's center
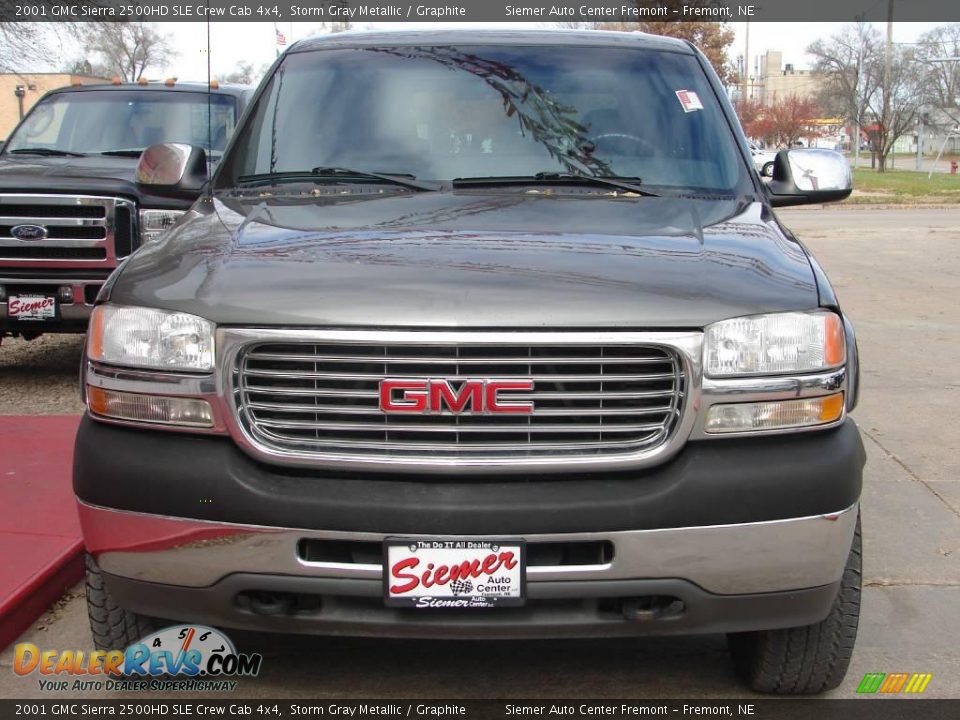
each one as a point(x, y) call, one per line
point(718, 482)
point(554, 609)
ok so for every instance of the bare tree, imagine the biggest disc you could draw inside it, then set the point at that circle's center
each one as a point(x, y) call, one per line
point(898, 116)
point(24, 45)
point(125, 49)
point(941, 79)
point(851, 64)
point(242, 73)
point(841, 61)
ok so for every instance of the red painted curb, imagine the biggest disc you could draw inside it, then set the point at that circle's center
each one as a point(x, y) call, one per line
point(40, 540)
point(33, 599)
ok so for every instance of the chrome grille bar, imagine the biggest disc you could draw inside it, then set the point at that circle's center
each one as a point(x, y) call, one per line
point(312, 397)
point(79, 229)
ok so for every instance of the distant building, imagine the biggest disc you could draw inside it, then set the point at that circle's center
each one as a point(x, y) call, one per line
point(32, 86)
point(773, 80)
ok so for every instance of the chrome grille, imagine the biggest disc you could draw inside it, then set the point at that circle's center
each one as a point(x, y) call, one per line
point(80, 228)
point(591, 400)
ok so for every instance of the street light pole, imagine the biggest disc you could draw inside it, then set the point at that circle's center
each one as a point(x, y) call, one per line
point(920, 137)
point(20, 91)
point(887, 61)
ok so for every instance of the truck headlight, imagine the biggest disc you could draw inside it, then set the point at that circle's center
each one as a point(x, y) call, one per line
point(153, 223)
point(793, 342)
point(148, 338)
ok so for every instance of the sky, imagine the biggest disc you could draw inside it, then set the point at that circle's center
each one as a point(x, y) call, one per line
point(231, 43)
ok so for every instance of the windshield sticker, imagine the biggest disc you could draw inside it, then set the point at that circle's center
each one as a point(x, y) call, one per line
point(689, 101)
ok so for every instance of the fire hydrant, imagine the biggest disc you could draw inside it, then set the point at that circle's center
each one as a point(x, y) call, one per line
point(953, 167)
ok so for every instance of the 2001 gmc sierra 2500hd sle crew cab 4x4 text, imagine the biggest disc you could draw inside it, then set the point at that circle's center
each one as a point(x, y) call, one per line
point(464, 340)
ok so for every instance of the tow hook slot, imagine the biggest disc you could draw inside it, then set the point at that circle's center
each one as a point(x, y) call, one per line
point(265, 602)
point(653, 607)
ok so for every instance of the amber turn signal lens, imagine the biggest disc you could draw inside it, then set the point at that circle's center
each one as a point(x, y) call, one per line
point(831, 407)
point(95, 334)
point(835, 347)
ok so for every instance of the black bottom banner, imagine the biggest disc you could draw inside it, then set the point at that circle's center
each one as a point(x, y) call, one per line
point(860, 709)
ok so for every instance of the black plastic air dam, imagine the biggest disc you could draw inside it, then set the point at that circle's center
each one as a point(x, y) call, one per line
point(553, 610)
point(716, 482)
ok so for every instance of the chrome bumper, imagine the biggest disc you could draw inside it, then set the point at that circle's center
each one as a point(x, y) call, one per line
point(759, 557)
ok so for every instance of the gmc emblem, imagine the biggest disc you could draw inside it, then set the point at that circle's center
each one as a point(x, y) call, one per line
point(432, 397)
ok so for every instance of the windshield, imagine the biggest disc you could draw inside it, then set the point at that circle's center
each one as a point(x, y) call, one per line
point(445, 113)
point(92, 122)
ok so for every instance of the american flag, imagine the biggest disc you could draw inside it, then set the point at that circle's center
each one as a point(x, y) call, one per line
point(281, 38)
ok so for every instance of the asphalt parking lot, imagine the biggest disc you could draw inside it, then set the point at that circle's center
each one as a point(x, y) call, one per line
point(897, 272)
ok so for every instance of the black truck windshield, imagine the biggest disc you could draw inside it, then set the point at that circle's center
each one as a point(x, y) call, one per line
point(468, 112)
point(91, 122)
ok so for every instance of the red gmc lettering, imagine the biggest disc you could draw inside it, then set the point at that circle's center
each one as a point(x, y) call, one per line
point(414, 398)
point(471, 392)
point(437, 396)
point(404, 570)
point(494, 404)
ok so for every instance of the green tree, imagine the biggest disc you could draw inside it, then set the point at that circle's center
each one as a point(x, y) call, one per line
point(713, 39)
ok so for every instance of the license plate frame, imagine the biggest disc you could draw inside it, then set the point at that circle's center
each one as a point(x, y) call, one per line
point(49, 310)
point(509, 590)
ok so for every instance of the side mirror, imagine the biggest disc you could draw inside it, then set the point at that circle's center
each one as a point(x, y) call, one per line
point(173, 169)
point(802, 176)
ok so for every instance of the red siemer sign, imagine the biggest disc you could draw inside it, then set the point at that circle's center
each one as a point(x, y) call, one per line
point(436, 396)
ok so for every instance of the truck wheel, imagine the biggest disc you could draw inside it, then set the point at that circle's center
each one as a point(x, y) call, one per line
point(113, 628)
point(809, 659)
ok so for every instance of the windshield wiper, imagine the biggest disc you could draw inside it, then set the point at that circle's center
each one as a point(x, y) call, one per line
point(626, 184)
point(46, 151)
point(319, 174)
point(123, 153)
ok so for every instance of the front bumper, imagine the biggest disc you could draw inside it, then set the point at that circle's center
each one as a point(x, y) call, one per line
point(744, 533)
point(72, 315)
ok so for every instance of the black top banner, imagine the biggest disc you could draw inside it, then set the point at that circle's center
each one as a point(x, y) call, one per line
point(556, 11)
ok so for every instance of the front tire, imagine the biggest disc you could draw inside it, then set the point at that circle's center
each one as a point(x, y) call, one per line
point(767, 170)
point(809, 659)
point(112, 627)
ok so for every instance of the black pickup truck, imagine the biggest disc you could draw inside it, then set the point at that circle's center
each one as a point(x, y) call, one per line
point(481, 335)
point(70, 209)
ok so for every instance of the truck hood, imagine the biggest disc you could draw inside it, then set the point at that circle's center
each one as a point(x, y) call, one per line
point(468, 259)
point(91, 175)
point(35, 168)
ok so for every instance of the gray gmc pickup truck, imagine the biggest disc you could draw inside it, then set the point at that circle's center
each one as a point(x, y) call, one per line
point(481, 335)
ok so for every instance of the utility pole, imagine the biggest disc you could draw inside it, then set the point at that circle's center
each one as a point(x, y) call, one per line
point(745, 80)
point(857, 106)
point(920, 136)
point(887, 61)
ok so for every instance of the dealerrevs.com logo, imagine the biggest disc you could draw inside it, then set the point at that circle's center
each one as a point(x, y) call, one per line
point(180, 657)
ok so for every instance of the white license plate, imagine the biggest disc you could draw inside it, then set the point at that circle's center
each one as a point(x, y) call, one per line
point(454, 573)
point(32, 307)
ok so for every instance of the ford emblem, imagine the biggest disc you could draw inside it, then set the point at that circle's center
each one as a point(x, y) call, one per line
point(28, 232)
